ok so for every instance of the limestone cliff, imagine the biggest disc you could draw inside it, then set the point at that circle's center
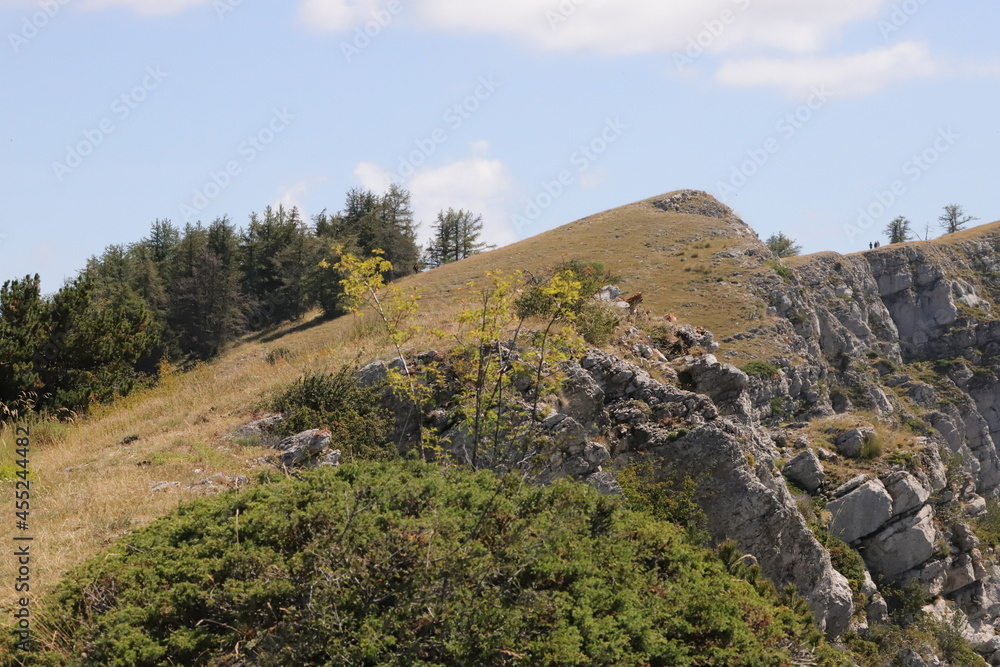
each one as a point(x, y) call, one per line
point(865, 385)
point(901, 338)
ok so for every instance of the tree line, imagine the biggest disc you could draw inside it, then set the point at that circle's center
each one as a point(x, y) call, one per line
point(181, 294)
point(899, 230)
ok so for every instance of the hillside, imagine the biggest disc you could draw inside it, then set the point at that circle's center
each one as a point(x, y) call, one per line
point(94, 487)
point(898, 344)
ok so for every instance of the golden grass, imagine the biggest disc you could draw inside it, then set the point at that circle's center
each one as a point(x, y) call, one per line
point(889, 439)
point(90, 488)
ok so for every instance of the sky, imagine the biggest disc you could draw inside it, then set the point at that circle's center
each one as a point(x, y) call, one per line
point(823, 120)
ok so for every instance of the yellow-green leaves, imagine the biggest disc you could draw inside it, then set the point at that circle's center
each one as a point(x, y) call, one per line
point(365, 289)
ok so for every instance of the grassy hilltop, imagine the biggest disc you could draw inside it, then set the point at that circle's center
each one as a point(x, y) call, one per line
point(98, 479)
point(93, 488)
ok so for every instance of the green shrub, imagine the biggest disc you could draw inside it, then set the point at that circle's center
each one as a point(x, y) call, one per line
point(902, 458)
point(872, 447)
point(987, 526)
point(596, 323)
point(891, 644)
point(277, 354)
point(760, 369)
point(335, 401)
point(778, 267)
point(591, 276)
point(905, 602)
point(405, 563)
point(849, 563)
point(664, 497)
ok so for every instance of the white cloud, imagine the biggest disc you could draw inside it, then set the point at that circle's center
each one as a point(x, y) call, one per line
point(373, 177)
point(594, 178)
point(146, 7)
point(843, 75)
point(336, 15)
point(478, 183)
point(621, 27)
point(291, 196)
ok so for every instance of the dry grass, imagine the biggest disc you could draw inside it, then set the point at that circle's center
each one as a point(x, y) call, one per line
point(672, 258)
point(90, 488)
point(888, 440)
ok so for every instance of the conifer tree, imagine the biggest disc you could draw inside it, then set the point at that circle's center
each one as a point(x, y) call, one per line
point(456, 236)
point(954, 219)
point(23, 334)
point(207, 305)
point(260, 247)
point(372, 222)
point(96, 346)
point(898, 230)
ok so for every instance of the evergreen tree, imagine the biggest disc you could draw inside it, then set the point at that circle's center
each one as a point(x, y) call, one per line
point(296, 263)
point(207, 306)
point(330, 226)
point(371, 222)
point(128, 280)
point(456, 236)
point(162, 241)
point(260, 247)
point(898, 230)
point(96, 347)
point(782, 246)
point(23, 335)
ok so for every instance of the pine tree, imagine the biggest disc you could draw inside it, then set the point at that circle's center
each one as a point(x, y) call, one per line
point(898, 230)
point(126, 278)
point(162, 241)
point(782, 246)
point(23, 336)
point(456, 236)
point(260, 246)
point(371, 222)
point(206, 305)
point(97, 346)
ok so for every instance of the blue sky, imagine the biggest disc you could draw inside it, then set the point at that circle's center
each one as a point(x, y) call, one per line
point(820, 119)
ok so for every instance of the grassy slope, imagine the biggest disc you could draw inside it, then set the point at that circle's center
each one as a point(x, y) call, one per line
point(89, 488)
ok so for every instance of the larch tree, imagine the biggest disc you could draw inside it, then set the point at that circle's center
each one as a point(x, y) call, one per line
point(456, 236)
point(954, 219)
point(898, 230)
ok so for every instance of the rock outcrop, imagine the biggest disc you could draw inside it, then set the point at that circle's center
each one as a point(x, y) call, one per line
point(306, 449)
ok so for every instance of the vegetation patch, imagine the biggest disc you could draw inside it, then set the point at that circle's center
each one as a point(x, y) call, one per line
point(335, 401)
point(780, 268)
point(406, 563)
point(761, 369)
point(987, 526)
